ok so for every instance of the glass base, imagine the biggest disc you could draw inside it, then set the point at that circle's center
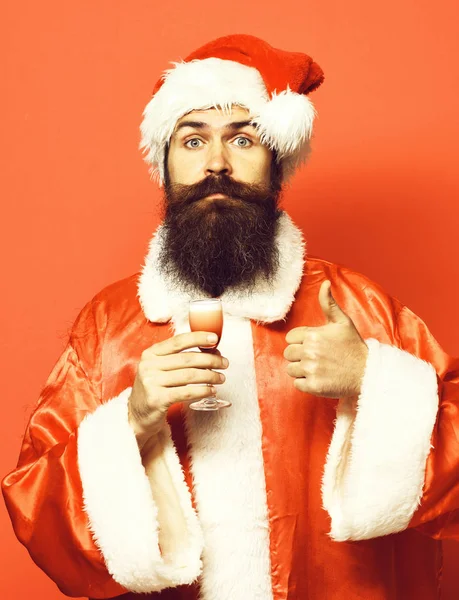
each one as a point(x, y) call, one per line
point(210, 404)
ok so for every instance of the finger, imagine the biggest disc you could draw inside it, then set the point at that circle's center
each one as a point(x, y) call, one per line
point(294, 352)
point(190, 393)
point(330, 307)
point(197, 360)
point(309, 385)
point(188, 376)
point(183, 341)
point(295, 369)
point(301, 383)
point(297, 335)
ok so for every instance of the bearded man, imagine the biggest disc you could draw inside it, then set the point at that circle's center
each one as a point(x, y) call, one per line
point(334, 473)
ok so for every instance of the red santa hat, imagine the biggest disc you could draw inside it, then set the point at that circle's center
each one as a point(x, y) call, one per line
point(243, 70)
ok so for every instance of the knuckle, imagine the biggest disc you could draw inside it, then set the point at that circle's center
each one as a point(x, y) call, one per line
point(309, 367)
point(154, 362)
point(215, 377)
point(313, 337)
point(191, 375)
point(152, 393)
point(149, 351)
point(159, 379)
point(309, 353)
point(154, 401)
point(217, 362)
point(301, 369)
point(151, 388)
point(142, 370)
point(314, 385)
point(201, 338)
point(302, 333)
point(188, 393)
point(188, 359)
point(165, 399)
point(212, 376)
point(204, 375)
point(185, 394)
point(176, 343)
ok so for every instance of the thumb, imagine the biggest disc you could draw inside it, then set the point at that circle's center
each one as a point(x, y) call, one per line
point(329, 306)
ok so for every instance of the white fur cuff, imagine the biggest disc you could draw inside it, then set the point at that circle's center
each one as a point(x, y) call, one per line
point(123, 516)
point(375, 468)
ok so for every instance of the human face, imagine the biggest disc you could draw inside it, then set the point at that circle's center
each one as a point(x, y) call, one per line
point(221, 208)
point(211, 143)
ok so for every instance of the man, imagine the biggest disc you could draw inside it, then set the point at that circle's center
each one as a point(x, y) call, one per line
point(334, 472)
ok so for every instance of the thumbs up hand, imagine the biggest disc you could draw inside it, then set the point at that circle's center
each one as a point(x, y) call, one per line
point(328, 360)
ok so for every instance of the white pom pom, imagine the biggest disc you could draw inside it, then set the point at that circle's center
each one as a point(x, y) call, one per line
point(285, 122)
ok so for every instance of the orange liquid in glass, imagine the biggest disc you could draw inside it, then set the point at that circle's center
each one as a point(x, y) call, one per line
point(207, 320)
point(207, 315)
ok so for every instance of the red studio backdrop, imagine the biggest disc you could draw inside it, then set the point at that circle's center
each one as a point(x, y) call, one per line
point(78, 208)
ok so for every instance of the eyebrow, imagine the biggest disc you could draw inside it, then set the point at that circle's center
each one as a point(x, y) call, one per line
point(235, 125)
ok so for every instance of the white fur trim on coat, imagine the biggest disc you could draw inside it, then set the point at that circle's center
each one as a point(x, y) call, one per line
point(229, 478)
point(375, 469)
point(267, 303)
point(284, 122)
point(122, 513)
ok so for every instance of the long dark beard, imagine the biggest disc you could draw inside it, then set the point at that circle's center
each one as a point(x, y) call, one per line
point(216, 244)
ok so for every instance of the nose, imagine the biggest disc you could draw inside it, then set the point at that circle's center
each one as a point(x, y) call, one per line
point(218, 162)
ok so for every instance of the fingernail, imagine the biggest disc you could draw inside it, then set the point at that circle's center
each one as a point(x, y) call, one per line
point(225, 362)
point(213, 391)
point(222, 377)
point(212, 338)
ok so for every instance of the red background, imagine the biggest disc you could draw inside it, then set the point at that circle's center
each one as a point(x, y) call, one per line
point(379, 195)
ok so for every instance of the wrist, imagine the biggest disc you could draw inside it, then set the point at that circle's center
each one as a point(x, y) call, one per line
point(141, 435)
point(146, 437)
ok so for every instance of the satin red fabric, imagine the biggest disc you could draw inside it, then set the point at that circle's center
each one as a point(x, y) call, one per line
point(44, 496)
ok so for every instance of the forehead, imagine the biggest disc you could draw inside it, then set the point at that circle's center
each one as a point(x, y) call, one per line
point(217, 117)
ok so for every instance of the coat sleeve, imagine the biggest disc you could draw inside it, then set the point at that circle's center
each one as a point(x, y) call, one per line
point(81, 499)
point(393, 461)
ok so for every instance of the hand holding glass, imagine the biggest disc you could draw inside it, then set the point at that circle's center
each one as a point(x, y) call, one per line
point(207, 315)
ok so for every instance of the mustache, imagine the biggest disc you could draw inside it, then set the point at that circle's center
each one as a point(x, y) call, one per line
point(217, 184)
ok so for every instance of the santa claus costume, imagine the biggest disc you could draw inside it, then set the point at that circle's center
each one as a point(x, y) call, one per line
point(284, 496)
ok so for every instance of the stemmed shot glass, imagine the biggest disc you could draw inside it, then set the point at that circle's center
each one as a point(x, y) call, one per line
point(207, 315)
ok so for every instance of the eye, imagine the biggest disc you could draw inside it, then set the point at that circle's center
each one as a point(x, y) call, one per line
point(193, 143)
point(243, 142)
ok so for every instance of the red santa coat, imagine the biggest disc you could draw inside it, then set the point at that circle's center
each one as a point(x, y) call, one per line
point(285, 496)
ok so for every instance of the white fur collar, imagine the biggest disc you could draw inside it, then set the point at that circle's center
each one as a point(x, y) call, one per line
point(270, 302)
